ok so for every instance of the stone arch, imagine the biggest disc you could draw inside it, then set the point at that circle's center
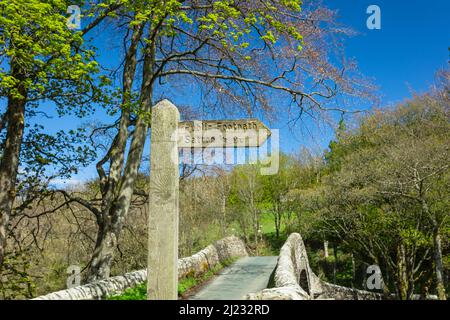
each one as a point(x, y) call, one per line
point(303, 281)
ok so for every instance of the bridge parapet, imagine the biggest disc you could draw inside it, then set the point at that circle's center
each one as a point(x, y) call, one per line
point(295, 280)
point(221, 251)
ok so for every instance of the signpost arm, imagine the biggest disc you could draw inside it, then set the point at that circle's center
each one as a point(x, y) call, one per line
point(162, 272)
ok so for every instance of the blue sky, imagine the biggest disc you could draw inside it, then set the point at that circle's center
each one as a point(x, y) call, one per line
point(402, 58)
point(411, 45)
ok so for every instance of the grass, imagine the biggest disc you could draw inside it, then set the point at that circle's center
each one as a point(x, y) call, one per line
point(267, 224)
point(184, 285)
point(137, 293)
point(271, 245)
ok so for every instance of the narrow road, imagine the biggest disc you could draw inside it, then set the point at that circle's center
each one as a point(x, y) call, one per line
point(246, 275)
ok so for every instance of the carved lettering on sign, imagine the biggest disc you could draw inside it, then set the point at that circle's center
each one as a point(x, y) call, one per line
point(222, 133)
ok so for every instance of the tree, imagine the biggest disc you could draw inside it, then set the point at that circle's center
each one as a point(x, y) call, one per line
point(40, 59)
point(422, 149)
point(222, 187)
point(247, 194)
point(276, 189)
point(391, 171)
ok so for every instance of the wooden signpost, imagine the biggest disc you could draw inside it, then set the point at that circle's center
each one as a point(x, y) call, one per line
point(169, 134)
point(222, 133)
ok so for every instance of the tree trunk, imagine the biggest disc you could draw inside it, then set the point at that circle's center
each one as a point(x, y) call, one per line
point(119, 185)
point(277, 221)
point(255, 226)
point(325, 248)
point(437, 253)
point(335, 262)
point(438, 264)
point(243, 225)
point(386, 282)
point(255, 219)
point(224, 216)
point(109, 232)
point(103, 254)
point(353, 270)
point(9, 163)
point(108, 236)
point(402, 279)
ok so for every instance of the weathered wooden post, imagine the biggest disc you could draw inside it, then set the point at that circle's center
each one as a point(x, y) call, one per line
point(168, 134)
point(162, 272)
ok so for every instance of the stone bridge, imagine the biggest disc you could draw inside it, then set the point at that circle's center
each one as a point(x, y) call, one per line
point(293, 279)
point(286, 277)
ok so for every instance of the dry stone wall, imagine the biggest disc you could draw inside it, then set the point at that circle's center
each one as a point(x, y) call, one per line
point(202, 261)
point(294, 279)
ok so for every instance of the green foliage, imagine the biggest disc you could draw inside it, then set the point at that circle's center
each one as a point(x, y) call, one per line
point(273, 243)
point(44, 58)
point(137, 293)
point(386, 186)
point(232, 24)
point(62, 153)
point(15, 280)
point(186, 284)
